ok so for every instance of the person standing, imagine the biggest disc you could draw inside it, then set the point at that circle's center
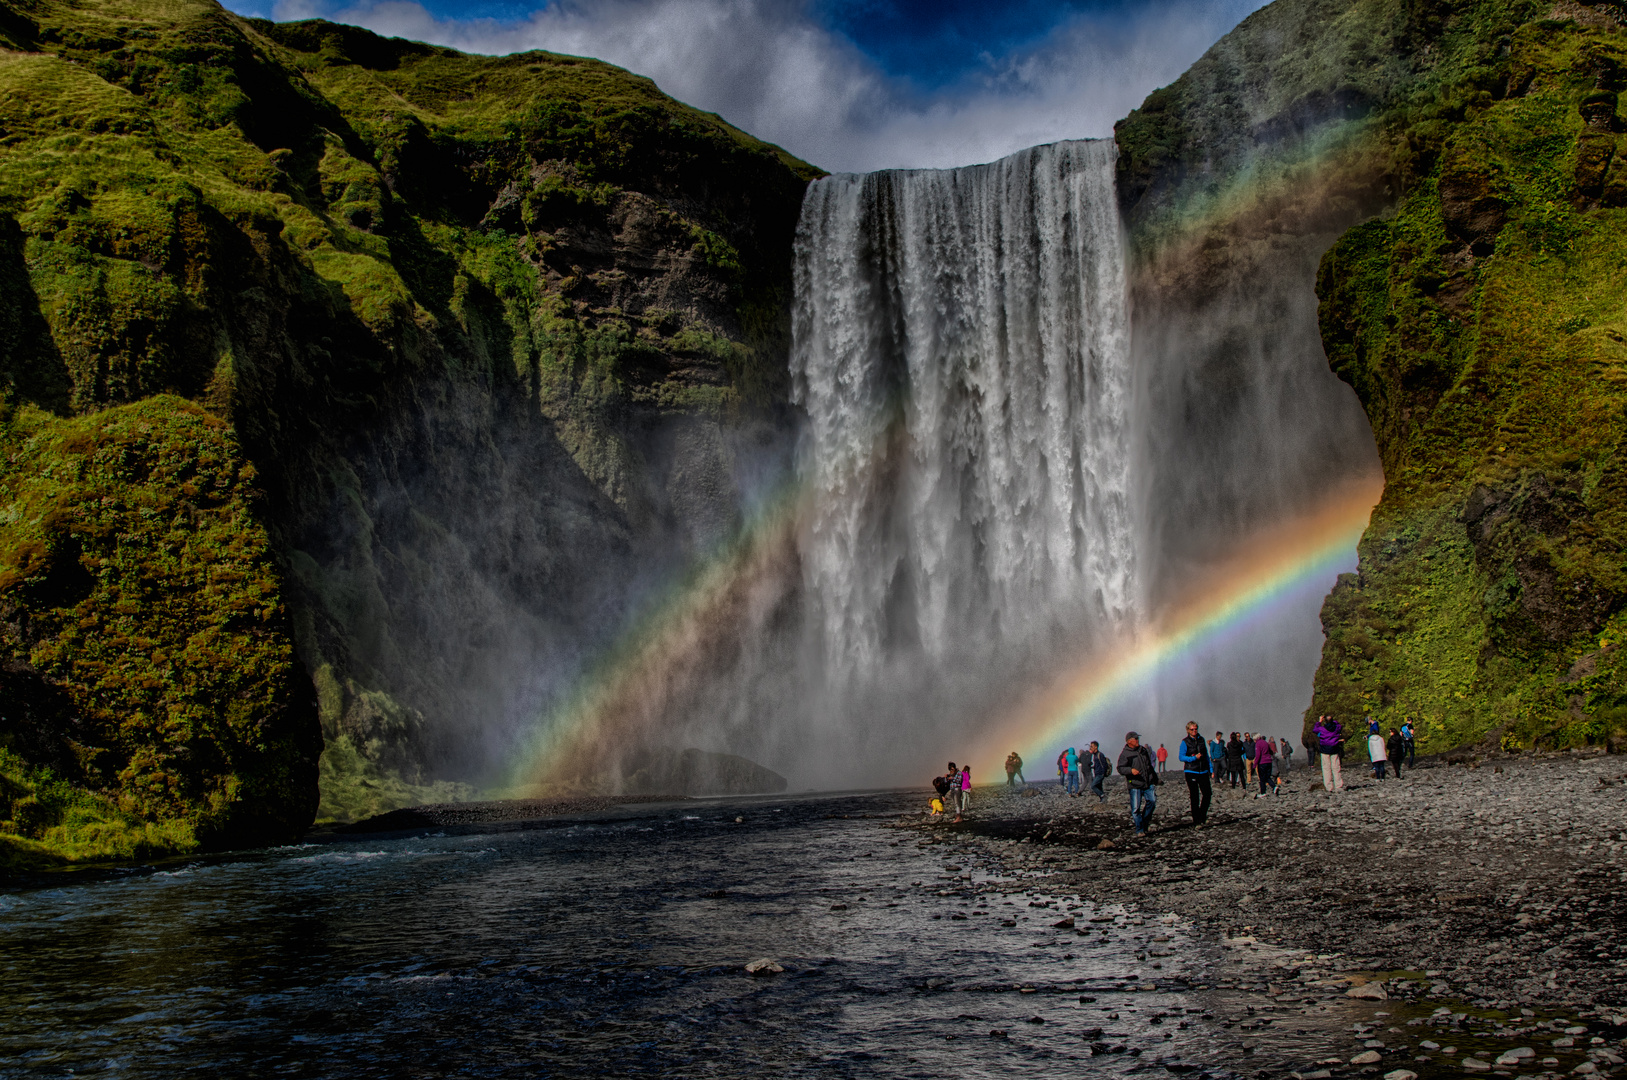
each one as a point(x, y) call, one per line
point(965, 792)
point(1286, 758)
point(1217, 757)
point(1248, 758)
point(1376, 752)
point(1163, 758)
point(1099, 768)
point(1062, 770)
point(1011, 769)
point(1136, 766)
point(1330, 744)
point(1396, 749)
point(1234, 761)
point(1262, 764)
point(1409, 742)
point(1194, 754)
point(1018, 759)
point(1073, 770)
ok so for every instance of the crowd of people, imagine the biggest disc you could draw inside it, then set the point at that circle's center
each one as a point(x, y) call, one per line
point(1246, 759)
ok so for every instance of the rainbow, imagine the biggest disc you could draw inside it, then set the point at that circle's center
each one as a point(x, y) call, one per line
point(1264, 569)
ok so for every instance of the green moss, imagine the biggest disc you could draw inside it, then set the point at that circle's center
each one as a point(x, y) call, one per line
point(354, 787)
point(49, 822)
point(1479, 326)
point(143, 597)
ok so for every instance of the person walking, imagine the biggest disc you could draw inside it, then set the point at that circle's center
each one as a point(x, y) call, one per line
point(1286, 761)
point(1248, 758)
point(1194, 754)
point(1376, 752)
point(1217, 757)
point(1136, 766)
point(1330, 744)
point(1234, 761)
point(1262, 764)
point(1021, 779)
point(1409, 742)
point(1163, 758)
point(1100, 767)
point(1073, 771)
point(1396, 748)
point(1062, 770)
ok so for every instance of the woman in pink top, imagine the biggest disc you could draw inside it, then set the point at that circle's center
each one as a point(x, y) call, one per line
point(1262, 764)
point(965, 791)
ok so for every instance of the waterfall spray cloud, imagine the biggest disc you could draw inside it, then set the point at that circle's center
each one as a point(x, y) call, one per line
point(1265, 568)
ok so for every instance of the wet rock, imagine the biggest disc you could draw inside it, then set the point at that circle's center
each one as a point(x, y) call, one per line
point(1476, 1065)
point(1586, 1068)
point(1106, 845)
point(1401, 1074)
point(1372, 991)
point(1515, 1056)
point(1036, 1020)
point(1064, 924)
point(1367, 1057)
point(1314, 1074)
point(998, 1034)
point(838, 907)
point(764, 966)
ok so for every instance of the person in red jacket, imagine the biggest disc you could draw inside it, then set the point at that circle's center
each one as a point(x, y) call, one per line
point(1163, 756)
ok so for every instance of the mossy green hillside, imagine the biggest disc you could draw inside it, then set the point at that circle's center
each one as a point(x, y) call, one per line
point(147, 653)
point(1482, 326)
point(391, 270)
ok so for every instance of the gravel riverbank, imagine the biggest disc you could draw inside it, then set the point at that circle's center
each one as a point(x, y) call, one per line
point(1476, 904)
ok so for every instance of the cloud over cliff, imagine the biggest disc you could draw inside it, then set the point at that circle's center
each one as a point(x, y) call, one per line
point(786, 71)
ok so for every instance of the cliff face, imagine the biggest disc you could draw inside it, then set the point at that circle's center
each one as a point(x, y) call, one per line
point(387, 375)
point(1482, 326)
point(1445, 172)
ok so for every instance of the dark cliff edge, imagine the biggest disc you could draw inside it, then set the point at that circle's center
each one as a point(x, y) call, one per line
point(354, 390)
point(1445, 174)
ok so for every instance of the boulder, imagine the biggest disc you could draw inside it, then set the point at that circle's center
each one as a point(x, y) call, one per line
point(1372, 991)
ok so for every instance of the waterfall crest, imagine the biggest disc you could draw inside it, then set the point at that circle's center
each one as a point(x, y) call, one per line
point(961, 349)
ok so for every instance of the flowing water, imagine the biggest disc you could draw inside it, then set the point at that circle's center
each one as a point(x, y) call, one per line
point(961, 353)
point(613, 945)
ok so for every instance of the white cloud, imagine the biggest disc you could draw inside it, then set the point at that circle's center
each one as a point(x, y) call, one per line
point(768, 67)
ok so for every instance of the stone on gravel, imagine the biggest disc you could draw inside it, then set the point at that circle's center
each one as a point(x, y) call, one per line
point(1476, 1065)
point(1515, 1056)
point(1106, 845)
point(1314, 1074)
point(1401, 1074)
point(764, 966)
point(1367, 1057)
point(1372, 991)
point(1584, 1069)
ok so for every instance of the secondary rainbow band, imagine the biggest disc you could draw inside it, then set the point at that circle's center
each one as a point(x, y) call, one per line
point(1265, 569)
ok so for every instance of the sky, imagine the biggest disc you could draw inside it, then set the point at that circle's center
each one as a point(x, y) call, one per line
point(849, 85)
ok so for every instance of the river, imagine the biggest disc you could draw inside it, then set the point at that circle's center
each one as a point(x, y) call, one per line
point(611, 944)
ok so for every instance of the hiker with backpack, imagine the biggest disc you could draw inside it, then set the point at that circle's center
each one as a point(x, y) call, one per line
point(1137, 767)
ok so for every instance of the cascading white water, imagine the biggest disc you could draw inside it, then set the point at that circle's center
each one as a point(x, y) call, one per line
point(961, 350)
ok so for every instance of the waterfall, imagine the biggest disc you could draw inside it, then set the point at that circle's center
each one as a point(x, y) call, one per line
point(961, 350)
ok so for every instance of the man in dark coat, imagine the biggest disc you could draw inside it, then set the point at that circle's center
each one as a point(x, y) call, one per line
point(1136, 766)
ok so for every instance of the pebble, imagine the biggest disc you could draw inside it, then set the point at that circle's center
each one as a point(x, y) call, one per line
point(1371, 991)
point(764, 966)
point(1476, 1065)
point(1401, 1074)
point(1367, 1057)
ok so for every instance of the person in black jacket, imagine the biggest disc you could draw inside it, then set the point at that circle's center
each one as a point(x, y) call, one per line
point(1100, 767)
point(1194, 753)
point(1396, 747)
point(1135, 765)
point(1234, 760)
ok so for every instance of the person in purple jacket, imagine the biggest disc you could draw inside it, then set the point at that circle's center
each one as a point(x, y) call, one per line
point(1330, 743)
point(1263, 757)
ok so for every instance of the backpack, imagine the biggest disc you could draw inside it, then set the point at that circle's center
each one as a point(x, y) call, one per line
point(941, 785)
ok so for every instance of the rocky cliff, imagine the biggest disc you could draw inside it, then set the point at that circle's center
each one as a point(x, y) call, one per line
point(354, 390)
point(1445, 172)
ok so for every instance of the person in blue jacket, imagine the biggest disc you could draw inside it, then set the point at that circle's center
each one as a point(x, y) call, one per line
point(1194, 754)
point(1217, 756)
